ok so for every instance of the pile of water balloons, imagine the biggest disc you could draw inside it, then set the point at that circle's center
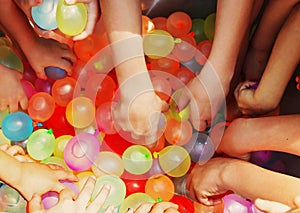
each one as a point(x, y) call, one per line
point(69, 120)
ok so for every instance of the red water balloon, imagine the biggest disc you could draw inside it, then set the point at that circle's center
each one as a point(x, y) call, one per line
point(185, 205)
point(179, 24)
point(100, 88)
point(185, 49)
point(134, 185)
point(28, 88)
point(88, 47)
point(59, 124)
point(165, 64)
point(182, 77)
point(204, 48)
point(160, 23)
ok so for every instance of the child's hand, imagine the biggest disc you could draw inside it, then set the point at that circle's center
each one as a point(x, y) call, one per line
point(48, 52)
point(140, 115)
point(205, 97)
point(16, 152)
point(11, 91)
point(37, 178)
point(156, 208)
point(81, 204)
point(205, 181)
point(245, 95)
point(275, 207)
point(93, 16)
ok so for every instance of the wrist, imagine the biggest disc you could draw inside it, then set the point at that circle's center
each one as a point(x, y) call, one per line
point(11, 174)
point(229, 172)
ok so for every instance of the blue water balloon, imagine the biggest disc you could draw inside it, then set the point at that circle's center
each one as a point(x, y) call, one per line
point(55, 73)
point(17, 126)
point(44, 15)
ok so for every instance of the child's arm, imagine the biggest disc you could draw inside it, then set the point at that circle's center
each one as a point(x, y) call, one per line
point(283, 61)
point(31, 177)
point(277, 133)
point(138, 102)
point(219, 175)
point(11, 91)
point(40, 52)
point(211, 86)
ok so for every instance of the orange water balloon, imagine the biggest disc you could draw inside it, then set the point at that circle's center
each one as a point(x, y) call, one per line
point(80, 112)
point(41, 106)
point(178, 132)
point(160, 187)
point(64, 90)
point(147, 25)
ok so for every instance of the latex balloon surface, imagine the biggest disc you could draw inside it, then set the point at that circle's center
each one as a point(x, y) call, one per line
point(71, 19)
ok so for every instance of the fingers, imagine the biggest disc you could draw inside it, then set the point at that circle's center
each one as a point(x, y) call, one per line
point(24, 102)
point(66, 194)
point(35, 204)
point(62, 174)
point(100, 199)
point(271, 206)
point(77, 1)
point(157, 207)
point(164, 206)
point(110, 209)
point(15, 150)
point(145, 207)
point(87, 190)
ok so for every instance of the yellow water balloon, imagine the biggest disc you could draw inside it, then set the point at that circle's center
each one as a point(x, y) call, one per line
point(158, 44)
point(71, 19)
point(10, 59)
point(174, 160)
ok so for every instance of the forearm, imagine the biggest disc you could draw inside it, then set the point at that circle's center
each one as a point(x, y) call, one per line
point(232, 22)
point(277, 133)
point(123, 27)
point(16, 24)
point(274, 16)
point(282, 63)
point(260, 183)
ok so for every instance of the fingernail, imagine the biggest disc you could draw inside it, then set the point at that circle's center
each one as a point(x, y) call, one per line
point(106, 186)
point(93, 177)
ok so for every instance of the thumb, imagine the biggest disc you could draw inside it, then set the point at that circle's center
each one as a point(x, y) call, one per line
point(35, 204)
